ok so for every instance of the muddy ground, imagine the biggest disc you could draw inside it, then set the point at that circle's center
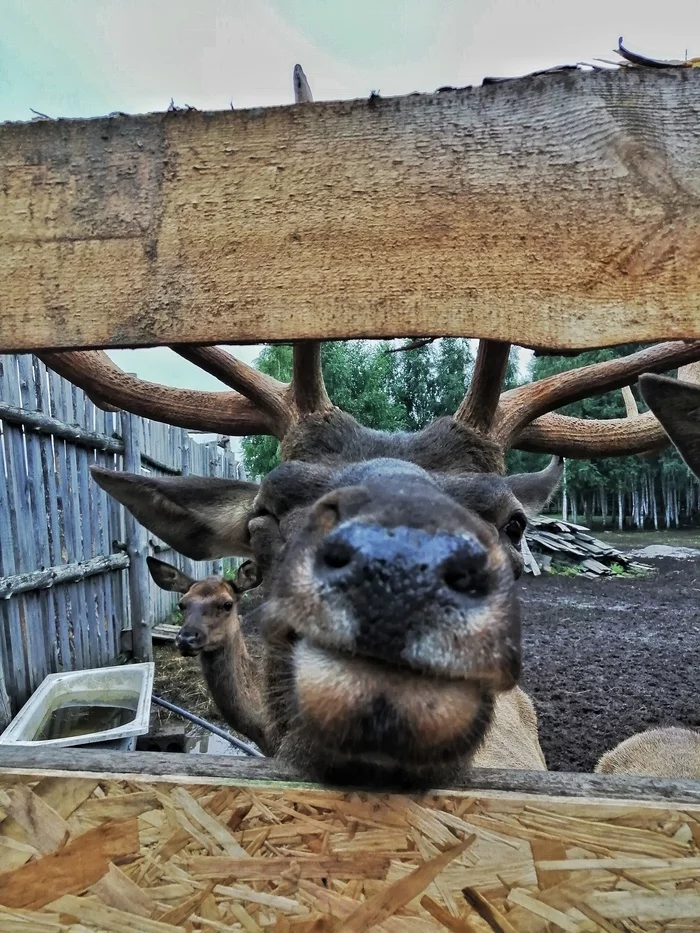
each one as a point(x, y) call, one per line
point(603, 659)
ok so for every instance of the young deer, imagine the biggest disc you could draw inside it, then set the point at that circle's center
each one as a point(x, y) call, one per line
point(670, 752)
point(211, 628)
point(387, 606)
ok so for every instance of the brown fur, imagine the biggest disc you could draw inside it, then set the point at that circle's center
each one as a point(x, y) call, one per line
point(669, 753)
point(210, 615)
point(513, 738)
point(387, 606)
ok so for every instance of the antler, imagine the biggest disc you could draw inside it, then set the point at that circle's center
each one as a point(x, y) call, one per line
point(525, 420)
point(480, 404)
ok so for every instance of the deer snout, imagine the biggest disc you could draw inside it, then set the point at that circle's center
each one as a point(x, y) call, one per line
point(399, 582)
point(404, 560)
point(190, 641)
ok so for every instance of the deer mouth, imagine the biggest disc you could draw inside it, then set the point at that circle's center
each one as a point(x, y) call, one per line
point(365, 707)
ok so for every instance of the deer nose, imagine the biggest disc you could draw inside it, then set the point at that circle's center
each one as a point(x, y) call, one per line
point(402, 566)
point(189, 642)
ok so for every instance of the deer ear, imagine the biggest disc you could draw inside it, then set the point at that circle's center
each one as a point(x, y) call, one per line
point(533, 490)
point(677, 406)
point(202, 517)
point(168, 577)
point(247, 577)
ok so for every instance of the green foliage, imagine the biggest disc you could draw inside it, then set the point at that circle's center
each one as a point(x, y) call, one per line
point(386, 391)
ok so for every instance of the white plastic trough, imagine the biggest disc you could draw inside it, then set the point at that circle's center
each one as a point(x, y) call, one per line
point(128, 681)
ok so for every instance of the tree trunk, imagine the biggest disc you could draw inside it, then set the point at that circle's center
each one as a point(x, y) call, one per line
point(620, 509)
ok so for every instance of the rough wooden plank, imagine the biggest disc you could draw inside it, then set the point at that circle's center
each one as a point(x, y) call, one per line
point(182, 768)
point(292, 222)
point(59, 600)
point(63, 573)
point(22, 541)
point(137, 550)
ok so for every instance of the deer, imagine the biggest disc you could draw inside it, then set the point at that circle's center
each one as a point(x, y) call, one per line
point(670, 752)
point(211, 630)
point(387, 613)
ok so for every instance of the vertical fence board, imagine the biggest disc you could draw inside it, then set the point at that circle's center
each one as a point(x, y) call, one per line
point(22, 532)
point(136, 548)
point(50, 474)
point(71, 506)
point(14, 657)
point(60, 456)
point(36, 520)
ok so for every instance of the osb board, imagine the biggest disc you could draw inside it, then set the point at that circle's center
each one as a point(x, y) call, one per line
point(557, 210)
point(149, 856)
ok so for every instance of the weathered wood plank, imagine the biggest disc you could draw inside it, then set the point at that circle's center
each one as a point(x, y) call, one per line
point(558, 210)
point(137, 549)
point(196, 768)
point(62, 573)
point(13, 657)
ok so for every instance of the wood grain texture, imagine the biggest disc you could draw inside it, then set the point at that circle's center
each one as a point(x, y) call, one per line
point(149, 856)
point(559, 210)
point(186, 769)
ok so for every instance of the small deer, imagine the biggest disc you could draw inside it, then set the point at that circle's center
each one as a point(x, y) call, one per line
point(670, 752)
point(211, 629)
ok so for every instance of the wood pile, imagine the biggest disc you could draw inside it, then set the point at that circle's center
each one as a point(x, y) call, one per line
point(152, 855)
point(549, 540)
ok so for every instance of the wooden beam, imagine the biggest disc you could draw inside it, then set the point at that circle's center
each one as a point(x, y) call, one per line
point(63, 573)
point(558, 210)
point(194, 769)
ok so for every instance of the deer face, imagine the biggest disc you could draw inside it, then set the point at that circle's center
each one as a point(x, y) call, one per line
point(387, 599)
point(209, 607)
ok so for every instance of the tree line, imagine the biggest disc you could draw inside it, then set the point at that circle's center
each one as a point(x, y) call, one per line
point(406, 390)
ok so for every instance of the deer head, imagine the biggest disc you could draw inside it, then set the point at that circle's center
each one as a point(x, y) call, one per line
point(209, 606)
point(387, 562)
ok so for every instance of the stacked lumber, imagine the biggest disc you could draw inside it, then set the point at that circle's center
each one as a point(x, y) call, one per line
point(549, 539)
point(119, 853)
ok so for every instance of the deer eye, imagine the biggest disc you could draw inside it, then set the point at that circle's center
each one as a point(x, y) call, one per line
point(227, 606)
point(181, 606)
point(515, 528)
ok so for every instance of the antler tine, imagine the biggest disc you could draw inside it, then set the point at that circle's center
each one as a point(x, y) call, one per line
point(630, 402)
point(267, 394)
point(219, 412)
point(519, 407)
point(307, 389)
point(481, 401)
point(615, 437)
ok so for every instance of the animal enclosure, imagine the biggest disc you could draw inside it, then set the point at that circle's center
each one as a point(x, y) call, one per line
point(64, 549)
point(557, 211)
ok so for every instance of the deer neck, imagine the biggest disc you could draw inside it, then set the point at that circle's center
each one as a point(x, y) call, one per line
point(233, 679)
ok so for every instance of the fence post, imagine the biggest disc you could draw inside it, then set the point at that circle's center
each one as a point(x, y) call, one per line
point(137, 549)
point(213, 463)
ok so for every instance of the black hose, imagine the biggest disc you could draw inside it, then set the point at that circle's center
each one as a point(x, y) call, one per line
point(198, 721)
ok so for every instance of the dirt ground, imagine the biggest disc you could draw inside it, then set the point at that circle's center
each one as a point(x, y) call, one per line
point(606, 658)
point(602, 659)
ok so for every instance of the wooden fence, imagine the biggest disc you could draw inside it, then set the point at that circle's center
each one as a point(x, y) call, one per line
point(73, 575)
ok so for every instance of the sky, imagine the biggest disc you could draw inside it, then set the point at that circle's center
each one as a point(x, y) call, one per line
point(82, 58)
